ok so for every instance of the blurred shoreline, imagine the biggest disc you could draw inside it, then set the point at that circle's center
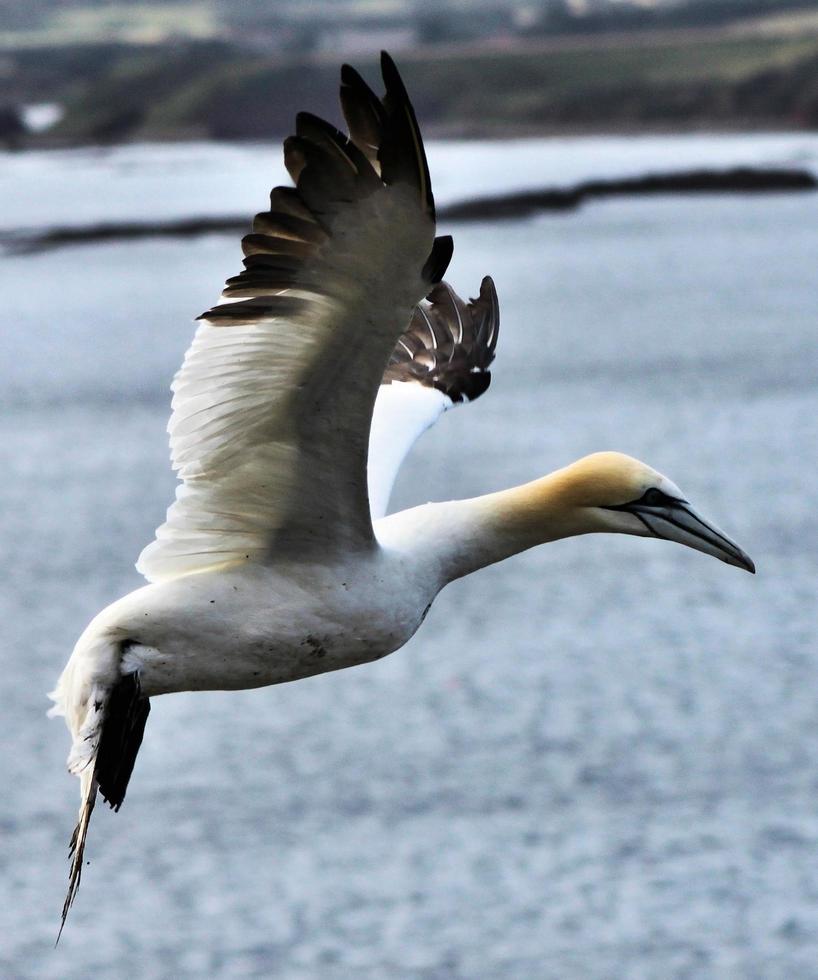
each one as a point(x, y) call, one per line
point(727, 78)
point(497, 207)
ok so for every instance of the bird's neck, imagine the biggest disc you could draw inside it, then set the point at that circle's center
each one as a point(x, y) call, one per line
point(461, 536)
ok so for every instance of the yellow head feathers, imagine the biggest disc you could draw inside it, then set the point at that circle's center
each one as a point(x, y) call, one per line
point(603, 480)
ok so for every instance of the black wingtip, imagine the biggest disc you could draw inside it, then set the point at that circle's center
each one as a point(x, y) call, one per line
point(307, 120)
point(390, 73)
point(401, 153)
point(439, 259)
point(449, 344)
point(490, 327)
point(352, 78)
point(395, 88)
point(475, 385)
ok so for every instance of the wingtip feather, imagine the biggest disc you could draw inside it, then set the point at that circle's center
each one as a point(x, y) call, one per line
point(439, 259)
point(391, 75)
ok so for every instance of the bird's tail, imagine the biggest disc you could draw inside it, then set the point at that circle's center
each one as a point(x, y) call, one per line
point(76, 849)
point(106, 714)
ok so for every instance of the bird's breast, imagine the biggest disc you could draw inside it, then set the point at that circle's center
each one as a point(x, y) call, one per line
point(238, 631)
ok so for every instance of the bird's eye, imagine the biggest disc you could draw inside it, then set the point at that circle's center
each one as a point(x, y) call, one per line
point(654, 497)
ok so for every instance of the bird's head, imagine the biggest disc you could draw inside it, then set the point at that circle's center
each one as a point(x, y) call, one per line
point(615, 492)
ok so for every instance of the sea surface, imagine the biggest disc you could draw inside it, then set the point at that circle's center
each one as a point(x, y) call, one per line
point(597, 760)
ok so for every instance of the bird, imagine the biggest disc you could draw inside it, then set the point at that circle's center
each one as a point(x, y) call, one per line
point(304, 388)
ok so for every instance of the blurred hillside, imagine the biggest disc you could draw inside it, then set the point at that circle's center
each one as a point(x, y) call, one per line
point(215, 69)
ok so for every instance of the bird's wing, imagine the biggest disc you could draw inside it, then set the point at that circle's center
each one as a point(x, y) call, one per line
point(441, 360)
point(273, 403)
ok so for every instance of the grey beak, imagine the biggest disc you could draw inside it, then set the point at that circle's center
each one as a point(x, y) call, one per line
point(677, 521)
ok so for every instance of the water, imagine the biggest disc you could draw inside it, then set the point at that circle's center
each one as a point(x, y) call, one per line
point(595, 760)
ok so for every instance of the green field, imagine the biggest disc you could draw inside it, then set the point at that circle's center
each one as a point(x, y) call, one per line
point(213, 89)
point(135, 23)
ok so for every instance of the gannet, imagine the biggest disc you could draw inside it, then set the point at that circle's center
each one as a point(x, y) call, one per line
point(303, 390)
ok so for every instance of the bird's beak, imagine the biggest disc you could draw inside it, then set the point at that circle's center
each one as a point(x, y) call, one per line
point(677, 521)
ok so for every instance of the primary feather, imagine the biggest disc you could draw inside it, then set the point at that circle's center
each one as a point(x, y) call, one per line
point(441, 360)
point(273, 403)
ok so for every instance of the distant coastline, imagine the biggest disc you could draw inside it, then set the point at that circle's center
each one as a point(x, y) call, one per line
point(737, 180)
point(704, 79)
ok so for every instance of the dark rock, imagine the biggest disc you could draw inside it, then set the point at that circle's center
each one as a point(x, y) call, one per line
point(12, 127)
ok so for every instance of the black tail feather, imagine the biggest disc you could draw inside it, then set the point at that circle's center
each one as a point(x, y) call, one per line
point(124, 711)
point(125, 717)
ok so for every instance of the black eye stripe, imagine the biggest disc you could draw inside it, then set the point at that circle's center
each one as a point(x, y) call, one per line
point(652, 497)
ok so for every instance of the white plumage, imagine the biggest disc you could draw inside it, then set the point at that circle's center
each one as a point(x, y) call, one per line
point(325, 359)
point(403, 412)
point(268, 417)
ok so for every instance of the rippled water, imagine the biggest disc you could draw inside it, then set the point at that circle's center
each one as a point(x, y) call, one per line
point(596, 760)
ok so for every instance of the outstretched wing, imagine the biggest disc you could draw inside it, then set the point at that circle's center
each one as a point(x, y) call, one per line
point(273, 404)
point(442, 360)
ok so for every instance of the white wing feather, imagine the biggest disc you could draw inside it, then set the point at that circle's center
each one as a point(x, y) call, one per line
point(404, 410)
point(273, 404)
point(442, 360)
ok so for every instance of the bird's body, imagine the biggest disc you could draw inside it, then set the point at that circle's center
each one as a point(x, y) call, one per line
point(250, 625)
point(301, 394)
